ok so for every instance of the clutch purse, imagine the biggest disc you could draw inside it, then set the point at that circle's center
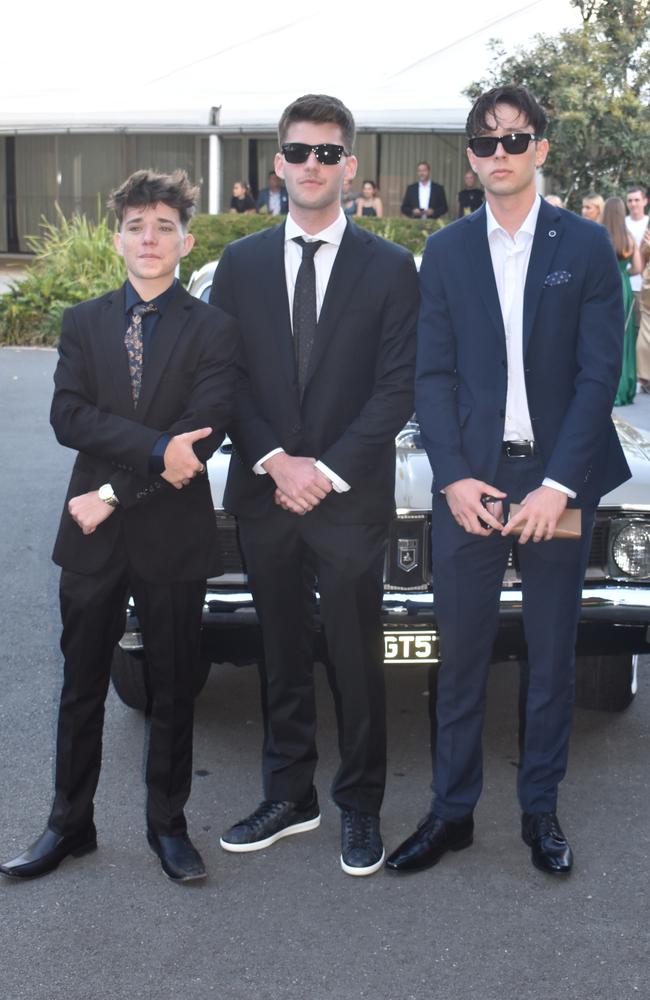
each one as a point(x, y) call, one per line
point(569, 524)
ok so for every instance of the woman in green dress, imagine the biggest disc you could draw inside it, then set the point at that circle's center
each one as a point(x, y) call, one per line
point(629, 262)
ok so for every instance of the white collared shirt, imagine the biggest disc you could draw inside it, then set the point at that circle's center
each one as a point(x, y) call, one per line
point(510, 258)
point(424, 194)
point(323, 264)
point(636, 228)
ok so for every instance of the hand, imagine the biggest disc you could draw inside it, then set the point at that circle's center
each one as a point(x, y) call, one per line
point(464, 500)
point(417, 212)
point(88, 511)
point(298, 479)
point(539, 514)
point(282, 500)
point(181, 464)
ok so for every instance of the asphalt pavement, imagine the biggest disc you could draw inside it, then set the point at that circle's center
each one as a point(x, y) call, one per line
point(286, 923)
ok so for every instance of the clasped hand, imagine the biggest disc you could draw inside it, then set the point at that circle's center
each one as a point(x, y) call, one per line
point(300, 485)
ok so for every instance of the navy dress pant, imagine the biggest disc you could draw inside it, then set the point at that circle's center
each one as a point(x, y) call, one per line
point(467, 575)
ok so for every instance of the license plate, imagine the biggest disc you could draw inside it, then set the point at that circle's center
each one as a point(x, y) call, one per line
point(412, 646)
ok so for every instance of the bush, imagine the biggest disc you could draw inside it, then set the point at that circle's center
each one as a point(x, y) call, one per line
point(214, 232)
point(74, 260)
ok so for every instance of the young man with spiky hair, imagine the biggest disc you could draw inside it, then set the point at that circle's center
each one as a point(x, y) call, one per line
point(329, 340)
point(519, 354)
point(143, 389)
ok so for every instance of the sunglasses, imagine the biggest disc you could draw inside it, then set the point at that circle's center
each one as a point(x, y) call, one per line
point(327, 153)
point(514, 142)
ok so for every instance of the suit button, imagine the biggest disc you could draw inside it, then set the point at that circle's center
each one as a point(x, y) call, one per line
point(502, 413)
point(504, 363)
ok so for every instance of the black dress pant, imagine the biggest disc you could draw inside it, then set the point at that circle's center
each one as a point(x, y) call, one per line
point(287, 557)
point(92, 612)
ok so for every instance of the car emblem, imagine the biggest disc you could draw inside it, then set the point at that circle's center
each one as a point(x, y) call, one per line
point(407, 553)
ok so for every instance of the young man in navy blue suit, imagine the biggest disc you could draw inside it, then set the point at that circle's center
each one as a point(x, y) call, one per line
point(519, 353)
point(329, 345)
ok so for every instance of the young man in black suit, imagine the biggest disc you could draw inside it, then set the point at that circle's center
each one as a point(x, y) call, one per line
point(143, 390)
point(328, 338)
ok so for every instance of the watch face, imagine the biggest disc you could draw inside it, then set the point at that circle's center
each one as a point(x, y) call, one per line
point(106, 494)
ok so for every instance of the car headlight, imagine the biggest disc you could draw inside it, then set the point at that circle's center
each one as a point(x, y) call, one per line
point(630, 548)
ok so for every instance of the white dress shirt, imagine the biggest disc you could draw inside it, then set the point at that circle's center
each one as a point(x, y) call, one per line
point(323, 264)
point(636, 228)
point(510, 258)
point(424, 195)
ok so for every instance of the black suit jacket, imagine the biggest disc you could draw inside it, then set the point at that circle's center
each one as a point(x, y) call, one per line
point(359, 389)
point(437, 200)
point(188, 382)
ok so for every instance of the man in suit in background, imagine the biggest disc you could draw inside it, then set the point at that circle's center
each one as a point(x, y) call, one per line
point(329, 340)
point(272, 200)
point(424, 199)
point(519, 354)
point(143, 390)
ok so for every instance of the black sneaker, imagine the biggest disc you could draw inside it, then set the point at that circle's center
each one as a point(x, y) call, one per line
point(271, 821)
point(362, 851)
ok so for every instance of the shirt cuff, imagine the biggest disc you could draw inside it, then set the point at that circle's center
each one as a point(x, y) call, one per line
point(560, 487)
point(257, 468)
point(157, 456)
point(340, 485)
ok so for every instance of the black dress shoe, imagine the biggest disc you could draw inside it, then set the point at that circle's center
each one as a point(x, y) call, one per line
point(179, 858)
point(47, 853)
point(272, 820)
point(362, 851)
point(550, 850)
point(433, 838)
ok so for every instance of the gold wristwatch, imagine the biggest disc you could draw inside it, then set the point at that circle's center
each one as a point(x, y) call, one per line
point(106, 494)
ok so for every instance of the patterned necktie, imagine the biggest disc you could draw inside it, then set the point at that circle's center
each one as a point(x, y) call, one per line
point(133, 344)
point(304, 308)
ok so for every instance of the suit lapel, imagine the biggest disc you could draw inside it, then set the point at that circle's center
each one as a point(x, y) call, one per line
point(163, 341)
point(112, 329)
point(547, 238)
point(271, 285)
point(481, 270)
point(351, 260)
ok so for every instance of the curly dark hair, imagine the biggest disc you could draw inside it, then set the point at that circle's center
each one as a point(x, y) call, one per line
point(147, 187)
point(517, 97)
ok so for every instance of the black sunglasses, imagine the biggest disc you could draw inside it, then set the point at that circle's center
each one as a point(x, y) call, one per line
point(327, 153)
point(513, 142)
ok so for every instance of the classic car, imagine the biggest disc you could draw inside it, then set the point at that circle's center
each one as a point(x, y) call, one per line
point(614, 624)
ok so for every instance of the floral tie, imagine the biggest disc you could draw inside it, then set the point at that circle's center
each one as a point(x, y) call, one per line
point(133, 344)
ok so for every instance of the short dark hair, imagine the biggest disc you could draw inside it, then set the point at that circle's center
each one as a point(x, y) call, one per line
point(319, 108)
point(517, 97)
point(637, 187)
point(147, 187)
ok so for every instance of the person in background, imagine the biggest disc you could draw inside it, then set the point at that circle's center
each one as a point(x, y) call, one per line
point(643, 336)
point(592, 206)
point(369, 202)
point(636, 221)
point(272, 200)
point(471, 197)
point(348, 198)
point(241, 202)
point(629, 263)
point(424, 199)
point(555, 200)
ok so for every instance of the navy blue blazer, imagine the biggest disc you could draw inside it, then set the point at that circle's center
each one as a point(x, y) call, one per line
point(573, 339)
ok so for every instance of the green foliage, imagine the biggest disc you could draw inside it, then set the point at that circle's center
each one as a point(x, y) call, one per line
point(594, 83)
point(214, 232)
point(74, 260)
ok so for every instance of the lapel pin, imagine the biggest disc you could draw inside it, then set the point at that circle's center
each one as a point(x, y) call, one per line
point(552, 233)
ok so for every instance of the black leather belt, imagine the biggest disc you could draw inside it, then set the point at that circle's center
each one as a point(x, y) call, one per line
point(518, 449)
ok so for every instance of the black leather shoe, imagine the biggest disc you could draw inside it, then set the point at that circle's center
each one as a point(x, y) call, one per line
point(549, 848)
point(179, 858)
point(362, 851)
point(47, 853)
point(433, 838)
point(271, 821)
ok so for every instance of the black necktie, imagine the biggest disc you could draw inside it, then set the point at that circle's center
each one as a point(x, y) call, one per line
point(304, 308)
point(133, 343)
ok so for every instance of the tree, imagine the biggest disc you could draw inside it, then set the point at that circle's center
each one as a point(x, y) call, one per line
point(594, 82)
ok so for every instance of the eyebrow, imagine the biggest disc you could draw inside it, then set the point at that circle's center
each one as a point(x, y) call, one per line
point(140, 218)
